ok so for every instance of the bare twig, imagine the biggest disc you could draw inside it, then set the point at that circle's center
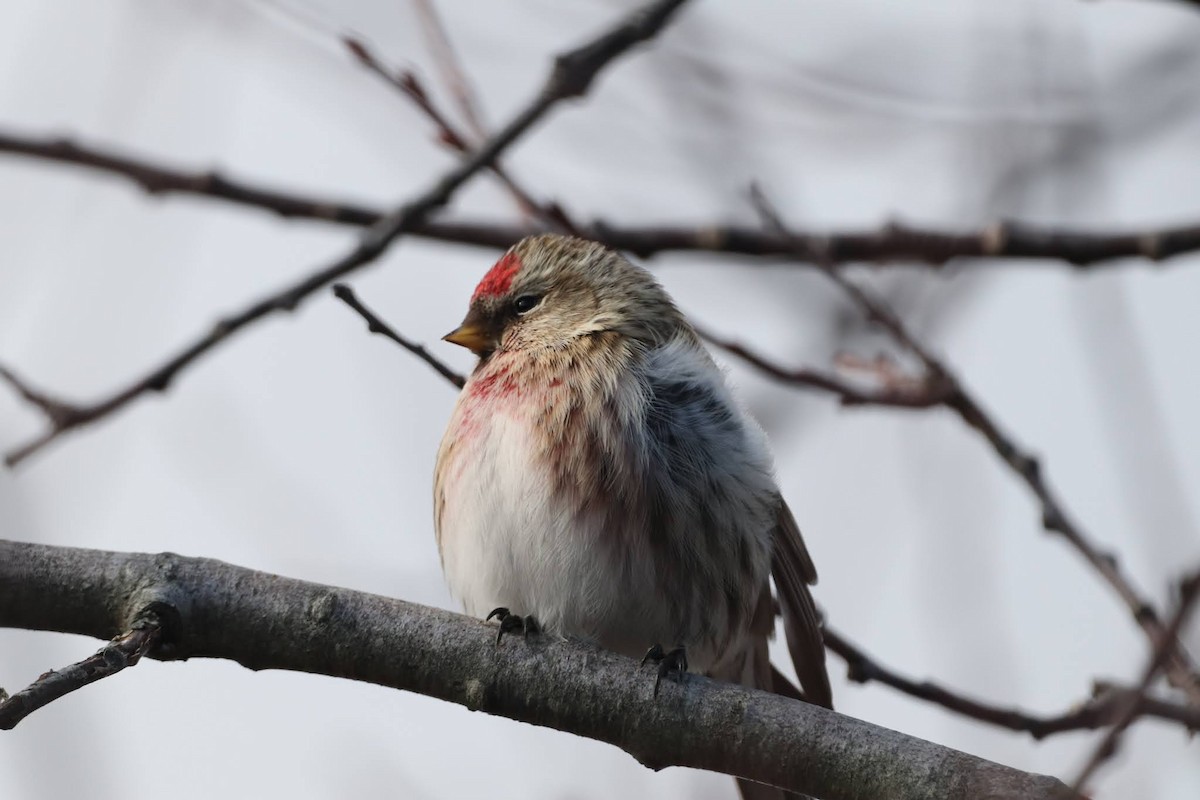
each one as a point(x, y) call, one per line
point(411, 87)
point(377, 325)
point(571, 76)
point(267, 621)
point(1133, 705)
point(893, 244)
point(124, 651)
point(1103, 708)
point(453, 74)
point(915, 395)
point(61, 415)
point(1026, 466)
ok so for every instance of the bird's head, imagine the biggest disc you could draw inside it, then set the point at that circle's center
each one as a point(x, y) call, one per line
point(548, 290)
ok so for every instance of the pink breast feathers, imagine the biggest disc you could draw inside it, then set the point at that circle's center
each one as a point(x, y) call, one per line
point(499, 278)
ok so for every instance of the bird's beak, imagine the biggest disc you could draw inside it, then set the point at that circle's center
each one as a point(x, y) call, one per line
point(472, 337)
point(474, 333)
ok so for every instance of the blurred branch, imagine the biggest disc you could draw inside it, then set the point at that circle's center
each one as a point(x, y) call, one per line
point(1133, 705)
point(911, 394)
point(892, 243)
point(1105, 707)
point(1055, 519)
point(572, 74)
point(453, 74)
point(124, 651)
point(407, 82)
point(215, 610)
point(377, 325)
point(460, 86)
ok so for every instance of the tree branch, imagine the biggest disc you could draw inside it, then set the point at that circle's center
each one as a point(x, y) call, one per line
point(215, 610)
point(911, 394)
point(571, 76)
point(1181, 672)
point(454, 76)
point(1133, 706)
point(1103, 708)
point(407, 82)
point(377, 325)
point(894, 243)
point(123, 651)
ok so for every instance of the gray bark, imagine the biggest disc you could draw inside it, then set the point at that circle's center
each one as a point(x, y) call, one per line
point(263, 621)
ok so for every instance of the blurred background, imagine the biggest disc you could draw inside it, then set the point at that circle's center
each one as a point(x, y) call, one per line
point(306, 447)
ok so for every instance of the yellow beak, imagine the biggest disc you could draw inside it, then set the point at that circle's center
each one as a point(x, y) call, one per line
point(472, 336)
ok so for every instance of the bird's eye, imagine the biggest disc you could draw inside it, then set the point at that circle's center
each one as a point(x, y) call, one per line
point(526, 303)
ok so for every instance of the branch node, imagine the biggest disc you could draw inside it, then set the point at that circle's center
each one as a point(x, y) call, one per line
point(995, 238)
point(1150, 246)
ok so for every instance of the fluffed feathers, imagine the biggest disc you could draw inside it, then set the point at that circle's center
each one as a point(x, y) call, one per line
point(598, 474)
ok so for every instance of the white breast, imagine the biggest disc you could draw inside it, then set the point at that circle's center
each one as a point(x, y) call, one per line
point(507, 540)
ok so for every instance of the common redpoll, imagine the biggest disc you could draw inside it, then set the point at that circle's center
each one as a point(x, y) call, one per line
point(598, 476)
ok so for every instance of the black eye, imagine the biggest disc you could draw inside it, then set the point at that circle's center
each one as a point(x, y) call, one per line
point(526, 303)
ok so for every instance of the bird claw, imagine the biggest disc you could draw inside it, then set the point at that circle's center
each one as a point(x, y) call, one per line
point(510, 622)
point(672, 661)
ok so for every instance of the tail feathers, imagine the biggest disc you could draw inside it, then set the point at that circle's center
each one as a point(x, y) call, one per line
point(793, 571)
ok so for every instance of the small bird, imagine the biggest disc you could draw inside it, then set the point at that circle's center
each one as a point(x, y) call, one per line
point(598, 479)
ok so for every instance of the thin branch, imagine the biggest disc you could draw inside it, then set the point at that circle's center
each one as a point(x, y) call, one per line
point(123, 651)
point(215, 610)
point(453, 73)
point(377, 325)
point(1025, 465)
point(894, 244)
point(61, 415)
point(407, 82)
point(1103, 708)
point(912, 395)
point(571, 76)
point(1133, 705)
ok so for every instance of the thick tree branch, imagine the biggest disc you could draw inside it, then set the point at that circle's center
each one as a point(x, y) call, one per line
point(1055, 519)
point(895, 243)
point(571, 76)
point(216, 610)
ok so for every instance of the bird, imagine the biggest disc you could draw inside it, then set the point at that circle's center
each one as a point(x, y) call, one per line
point(599, 479)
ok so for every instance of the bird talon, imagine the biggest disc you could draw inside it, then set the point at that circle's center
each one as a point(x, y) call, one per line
point(510, 622)
point(655, 654)
point(672, 661)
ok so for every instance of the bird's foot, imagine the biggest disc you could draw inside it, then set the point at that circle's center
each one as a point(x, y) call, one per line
point(510, 622)
point(669, 662)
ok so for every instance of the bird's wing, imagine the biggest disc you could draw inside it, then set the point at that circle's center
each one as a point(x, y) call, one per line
point(793, 570)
